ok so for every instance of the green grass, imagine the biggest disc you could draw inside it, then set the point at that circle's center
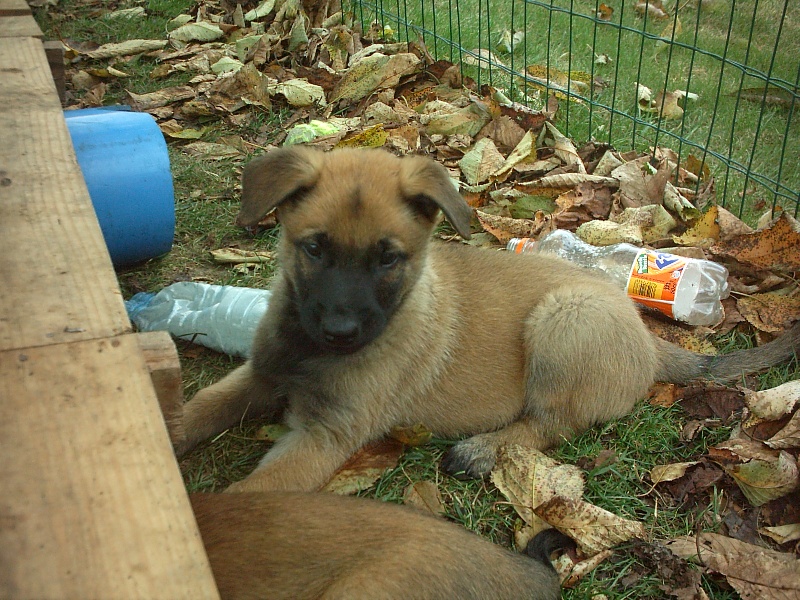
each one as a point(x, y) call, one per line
point(207, 198)
point(565, 35)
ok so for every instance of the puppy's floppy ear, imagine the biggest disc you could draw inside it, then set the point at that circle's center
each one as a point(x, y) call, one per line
point(427, 185)
point(275, 177)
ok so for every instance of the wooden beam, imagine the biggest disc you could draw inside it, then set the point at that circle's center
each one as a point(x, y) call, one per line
point(14, 8)
point(93, 504)
point(55, 58)
point(58, 281)
point(19, 26)
point(164, 365)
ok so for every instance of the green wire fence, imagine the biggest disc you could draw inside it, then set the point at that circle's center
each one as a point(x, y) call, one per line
point(734, 63)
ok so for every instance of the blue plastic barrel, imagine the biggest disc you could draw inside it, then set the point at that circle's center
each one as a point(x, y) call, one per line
point(125, 164)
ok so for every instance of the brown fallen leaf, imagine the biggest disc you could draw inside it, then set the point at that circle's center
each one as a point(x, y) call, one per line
point(505, 228)
point(481, 161)
point(662, 394)
point(754, 572)
point(565, 181)
point(704, 400)
point(467, 121)
point(605, 12)
point(238, 256)
point(211, 150)
point(365, 467)
point(730, 225)
point(770, 312)
point(749, 282)
point(788, 436)
point(504, 131)
point(633, 177)
point(654, 221)
point(678, 335)
point(672, 30)
point(563, 147)
point(571, 572)
point(415, 435)
point(774, 403)
point(769, 95)
point(783, 534)
point(782, 511)
point(424, 496)
point(732, 316)
point(593, 528)
point(126, 48)
point(593, 199)
point(527, 478)
point(763, 474)
point(680, 579)
point(670, 472)
point(692, 485)
point(652, 8)
point(162, 97)
point(775, 248)
point(604, 458)
point(604, 233)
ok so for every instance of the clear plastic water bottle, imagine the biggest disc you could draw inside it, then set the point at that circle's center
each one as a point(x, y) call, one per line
point(220, 317)
point(684, 289)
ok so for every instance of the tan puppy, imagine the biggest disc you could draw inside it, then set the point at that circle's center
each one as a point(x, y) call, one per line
point(371, 326)
point(296, 546)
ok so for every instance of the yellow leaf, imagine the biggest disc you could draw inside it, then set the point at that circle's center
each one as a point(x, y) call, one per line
point(238, 256)
point(703, 234)
point(670, 472)
point(372, 137)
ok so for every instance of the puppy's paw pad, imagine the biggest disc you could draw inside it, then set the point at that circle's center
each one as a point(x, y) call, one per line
point(468, 460)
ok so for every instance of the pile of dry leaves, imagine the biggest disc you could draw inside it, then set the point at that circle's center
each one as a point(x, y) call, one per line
point(524, 178)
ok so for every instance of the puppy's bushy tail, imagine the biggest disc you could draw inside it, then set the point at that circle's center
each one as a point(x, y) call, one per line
point(545, 543)
point(678, 365)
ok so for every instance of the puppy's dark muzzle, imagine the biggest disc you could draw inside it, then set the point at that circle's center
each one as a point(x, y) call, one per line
point(341, 332)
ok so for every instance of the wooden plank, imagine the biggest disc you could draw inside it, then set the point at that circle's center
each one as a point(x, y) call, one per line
point(164, 365)
point(19, 26)
point(14, 8)
point(58, 281)
point(93, 505)
point(55, 58)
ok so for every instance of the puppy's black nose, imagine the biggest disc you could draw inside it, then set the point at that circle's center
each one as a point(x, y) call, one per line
point(340, 330)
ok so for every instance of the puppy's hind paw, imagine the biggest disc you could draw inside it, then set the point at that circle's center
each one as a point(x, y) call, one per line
point(469, 459)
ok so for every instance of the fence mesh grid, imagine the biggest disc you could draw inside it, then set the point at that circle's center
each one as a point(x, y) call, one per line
point(735, 66)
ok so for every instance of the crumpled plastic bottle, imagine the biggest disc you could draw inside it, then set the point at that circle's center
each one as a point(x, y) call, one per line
point(685, 289)
point(220, 317)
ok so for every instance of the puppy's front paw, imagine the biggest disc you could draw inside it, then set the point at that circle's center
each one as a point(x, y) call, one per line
point(472, 458)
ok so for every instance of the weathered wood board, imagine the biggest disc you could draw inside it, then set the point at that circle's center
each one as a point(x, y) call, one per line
point(93, 504)
point(58, 281)
point(19, 26)
point(14, 8)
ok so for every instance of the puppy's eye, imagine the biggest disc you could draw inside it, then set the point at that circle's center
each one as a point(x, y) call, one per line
point(312, 249)
point(389, 258)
